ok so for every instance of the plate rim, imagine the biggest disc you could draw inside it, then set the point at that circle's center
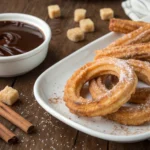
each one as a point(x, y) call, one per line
point(115, 138)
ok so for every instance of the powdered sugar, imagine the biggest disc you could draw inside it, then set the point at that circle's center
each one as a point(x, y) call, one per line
point(126, 71)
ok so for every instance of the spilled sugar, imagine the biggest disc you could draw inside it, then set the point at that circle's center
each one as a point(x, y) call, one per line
point(50, 133)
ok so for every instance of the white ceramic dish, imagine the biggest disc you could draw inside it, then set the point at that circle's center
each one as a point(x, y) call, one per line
point(20, 64)
point(48, 91)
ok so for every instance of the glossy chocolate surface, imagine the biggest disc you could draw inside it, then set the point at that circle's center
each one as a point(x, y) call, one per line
point(18, 38)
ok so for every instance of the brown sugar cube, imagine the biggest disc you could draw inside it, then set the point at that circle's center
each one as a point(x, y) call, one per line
point(54, 11)
point(75, 34)
point(79, 14)
point(9, 95)
point(87, 25)
point(106, 13)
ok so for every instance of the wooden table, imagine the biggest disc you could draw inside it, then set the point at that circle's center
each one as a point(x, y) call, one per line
point(52, 134)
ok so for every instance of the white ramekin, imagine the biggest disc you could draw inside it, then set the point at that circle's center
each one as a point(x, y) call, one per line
point(23, 63)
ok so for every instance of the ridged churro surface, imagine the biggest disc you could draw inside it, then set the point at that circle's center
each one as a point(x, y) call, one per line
point(106, 103)
point(125, 26)
point(136, 51)
point(129, 115)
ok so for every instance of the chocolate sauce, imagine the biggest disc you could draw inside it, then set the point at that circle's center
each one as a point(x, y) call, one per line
point(18, 38)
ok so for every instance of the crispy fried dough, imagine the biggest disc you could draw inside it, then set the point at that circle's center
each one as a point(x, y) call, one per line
point(105, 104)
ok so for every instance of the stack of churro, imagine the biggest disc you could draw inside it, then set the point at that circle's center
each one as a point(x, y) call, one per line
point(113, 78)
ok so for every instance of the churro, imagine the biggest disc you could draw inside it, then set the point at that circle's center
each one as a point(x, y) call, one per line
point(129, 115)
point(125, 26)
point(107, 102)
point(136, 51)
point(142, 69)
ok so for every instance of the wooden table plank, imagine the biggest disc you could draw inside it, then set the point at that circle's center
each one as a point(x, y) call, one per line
point(51, 133)
point(10, 6)
point(86, 142)
point(144, 145)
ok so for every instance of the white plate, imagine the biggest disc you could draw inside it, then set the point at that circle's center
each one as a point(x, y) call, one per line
point(48, 91)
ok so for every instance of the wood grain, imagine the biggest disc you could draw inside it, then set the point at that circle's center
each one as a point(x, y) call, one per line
point(50, 132)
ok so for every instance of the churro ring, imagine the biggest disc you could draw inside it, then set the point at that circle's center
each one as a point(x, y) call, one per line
point(97, 86)
point(142, 69)
point(130, 115)
point(133, 116)
point(105, 104)
point(141, 96)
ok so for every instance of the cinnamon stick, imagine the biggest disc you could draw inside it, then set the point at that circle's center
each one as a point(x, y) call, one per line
point(7, 135)
point(7, 113)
